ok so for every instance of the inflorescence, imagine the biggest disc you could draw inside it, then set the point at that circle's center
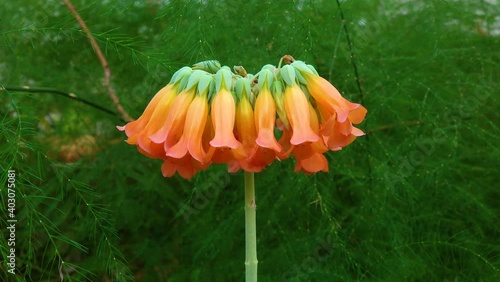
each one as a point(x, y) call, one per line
point(207, 114)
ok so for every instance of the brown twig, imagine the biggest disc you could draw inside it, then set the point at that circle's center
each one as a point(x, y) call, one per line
point(68, 95)
point(102, 59)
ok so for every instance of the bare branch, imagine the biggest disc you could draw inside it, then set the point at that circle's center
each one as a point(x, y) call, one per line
point(102, 59)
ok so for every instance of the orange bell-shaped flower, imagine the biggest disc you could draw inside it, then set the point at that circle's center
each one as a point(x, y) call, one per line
point(307, 149)
point(223, 117)
point(134, 127)
point(329, 97)
point(342, 134)
point(265, 118)
point(171, 130)
point(297, 110)
point(223, 114)
point(202, 117)
point(246, 132)
point(324, 92)
point(155, 121)
point(191, 140)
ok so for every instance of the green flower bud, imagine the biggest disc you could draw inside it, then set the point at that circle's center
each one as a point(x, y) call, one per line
point(211, 66)
point(240, 70)
point(269, 67)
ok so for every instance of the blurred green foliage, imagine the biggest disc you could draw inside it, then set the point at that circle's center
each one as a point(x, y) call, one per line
point(417, 199)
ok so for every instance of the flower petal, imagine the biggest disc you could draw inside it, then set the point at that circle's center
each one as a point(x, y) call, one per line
point(194, 126)
point(357, 115)
point(223, 117)
point(265, 117)
point(173, 118)
point(297, 110)
point(134, 127)
point(317, 162)
point(329, 97)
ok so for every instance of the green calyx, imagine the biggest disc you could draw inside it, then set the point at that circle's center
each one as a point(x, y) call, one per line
point(287, 73)
point(302, 67)
point(209, 78)
point(206, 84)
point(243, 88)
point(313, 69)
point(223, 79)
point(266, 78)
point(194, 78)
point(181, 74)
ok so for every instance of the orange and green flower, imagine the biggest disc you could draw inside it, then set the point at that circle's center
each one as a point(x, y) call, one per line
point(208, 114)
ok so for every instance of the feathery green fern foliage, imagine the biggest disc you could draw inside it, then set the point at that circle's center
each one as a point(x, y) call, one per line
point(416, 199)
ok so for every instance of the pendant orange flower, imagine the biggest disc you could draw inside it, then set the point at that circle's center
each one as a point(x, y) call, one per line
point(210, 115)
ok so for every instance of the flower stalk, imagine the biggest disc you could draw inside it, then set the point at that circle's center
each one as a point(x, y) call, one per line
point(250, 229)
point(207, 114)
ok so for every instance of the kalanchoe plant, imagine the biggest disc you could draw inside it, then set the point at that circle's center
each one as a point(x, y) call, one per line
point(207, 114)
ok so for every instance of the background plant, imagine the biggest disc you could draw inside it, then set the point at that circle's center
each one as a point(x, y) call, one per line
point(414, 200)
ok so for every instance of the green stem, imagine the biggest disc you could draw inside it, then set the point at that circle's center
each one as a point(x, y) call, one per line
point(281, 61)
point(250, 229)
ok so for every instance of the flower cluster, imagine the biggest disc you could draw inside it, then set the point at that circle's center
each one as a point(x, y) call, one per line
point(207, 114)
